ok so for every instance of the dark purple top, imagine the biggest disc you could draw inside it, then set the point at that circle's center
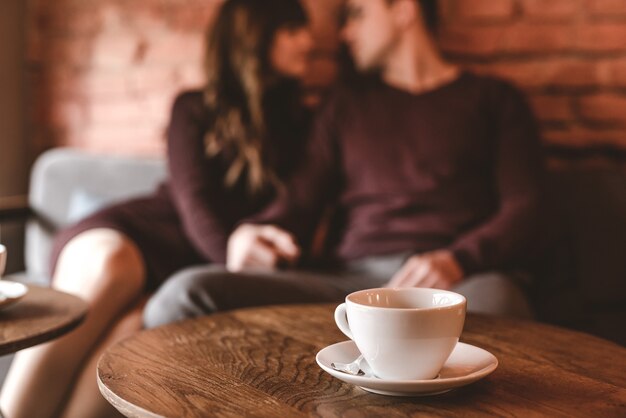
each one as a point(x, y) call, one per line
point(455, 168)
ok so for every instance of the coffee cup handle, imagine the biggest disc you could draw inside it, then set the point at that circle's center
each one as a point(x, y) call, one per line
point(341, 319)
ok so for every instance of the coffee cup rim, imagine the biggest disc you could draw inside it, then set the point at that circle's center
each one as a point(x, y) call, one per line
point(460, 302)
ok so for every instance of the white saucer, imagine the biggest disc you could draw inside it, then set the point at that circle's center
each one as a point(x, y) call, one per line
point(465, 365)
point(11, 292)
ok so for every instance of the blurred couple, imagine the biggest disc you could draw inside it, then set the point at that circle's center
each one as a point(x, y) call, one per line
point(413, 172)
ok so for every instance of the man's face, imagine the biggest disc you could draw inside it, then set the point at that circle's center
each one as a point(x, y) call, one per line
point(370, 32)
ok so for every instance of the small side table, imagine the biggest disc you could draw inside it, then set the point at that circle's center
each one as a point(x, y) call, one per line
point(261, 362)
point(42, 315)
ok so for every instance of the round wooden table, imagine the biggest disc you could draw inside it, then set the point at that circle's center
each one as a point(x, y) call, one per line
point(42, 315)
point(261, 362)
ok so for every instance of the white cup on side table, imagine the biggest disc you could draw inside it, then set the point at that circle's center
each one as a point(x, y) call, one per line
point(403, 334)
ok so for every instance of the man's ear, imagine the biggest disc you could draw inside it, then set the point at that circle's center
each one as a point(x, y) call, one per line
point(405, 12)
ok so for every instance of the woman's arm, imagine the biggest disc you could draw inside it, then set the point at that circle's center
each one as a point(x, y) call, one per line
point(194, 182)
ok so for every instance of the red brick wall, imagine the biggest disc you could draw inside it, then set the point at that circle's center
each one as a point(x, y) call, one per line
point(569, 56)
point(104, 72)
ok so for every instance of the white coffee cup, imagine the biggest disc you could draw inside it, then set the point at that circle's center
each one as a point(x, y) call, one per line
point(403, 334)
point(3, 259)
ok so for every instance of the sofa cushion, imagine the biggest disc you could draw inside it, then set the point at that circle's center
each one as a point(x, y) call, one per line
point(82, 204)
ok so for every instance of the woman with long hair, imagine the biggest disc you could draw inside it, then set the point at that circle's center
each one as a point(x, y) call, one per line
point(230, 146)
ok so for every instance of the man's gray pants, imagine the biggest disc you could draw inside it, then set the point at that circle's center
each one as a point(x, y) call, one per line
point(202, 290)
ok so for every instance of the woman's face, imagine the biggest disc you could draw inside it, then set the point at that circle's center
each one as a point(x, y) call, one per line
point(291, 50)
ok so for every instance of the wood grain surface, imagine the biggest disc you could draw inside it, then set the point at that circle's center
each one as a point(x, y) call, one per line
point(261, 363)
point(42, 315)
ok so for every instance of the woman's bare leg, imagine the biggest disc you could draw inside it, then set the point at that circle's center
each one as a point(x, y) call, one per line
point(104, 268)
point(86, 400)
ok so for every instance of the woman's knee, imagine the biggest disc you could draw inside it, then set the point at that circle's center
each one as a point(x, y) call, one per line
point(97, 259)
point(187, 294)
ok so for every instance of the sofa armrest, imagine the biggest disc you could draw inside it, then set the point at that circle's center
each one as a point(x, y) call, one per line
point(67, 184)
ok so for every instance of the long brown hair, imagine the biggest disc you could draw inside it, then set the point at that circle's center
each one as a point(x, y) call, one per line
point(238, 74)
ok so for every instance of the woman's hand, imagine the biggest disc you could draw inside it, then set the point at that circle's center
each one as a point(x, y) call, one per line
point(264, 247)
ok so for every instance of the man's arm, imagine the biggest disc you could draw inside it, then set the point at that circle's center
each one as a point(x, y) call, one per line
point(509, 233)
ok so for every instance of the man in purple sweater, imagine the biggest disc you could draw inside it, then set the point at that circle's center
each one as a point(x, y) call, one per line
point(433, 173)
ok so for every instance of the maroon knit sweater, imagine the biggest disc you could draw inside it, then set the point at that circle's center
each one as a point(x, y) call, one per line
point(455, 168)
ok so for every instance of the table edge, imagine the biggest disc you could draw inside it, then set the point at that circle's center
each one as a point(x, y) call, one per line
point(123, 406)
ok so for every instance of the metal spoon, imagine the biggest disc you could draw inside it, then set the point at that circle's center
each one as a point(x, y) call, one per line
point(353, 368)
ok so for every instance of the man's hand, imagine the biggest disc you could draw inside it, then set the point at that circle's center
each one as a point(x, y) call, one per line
point(260, 247)
point(436, 269)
